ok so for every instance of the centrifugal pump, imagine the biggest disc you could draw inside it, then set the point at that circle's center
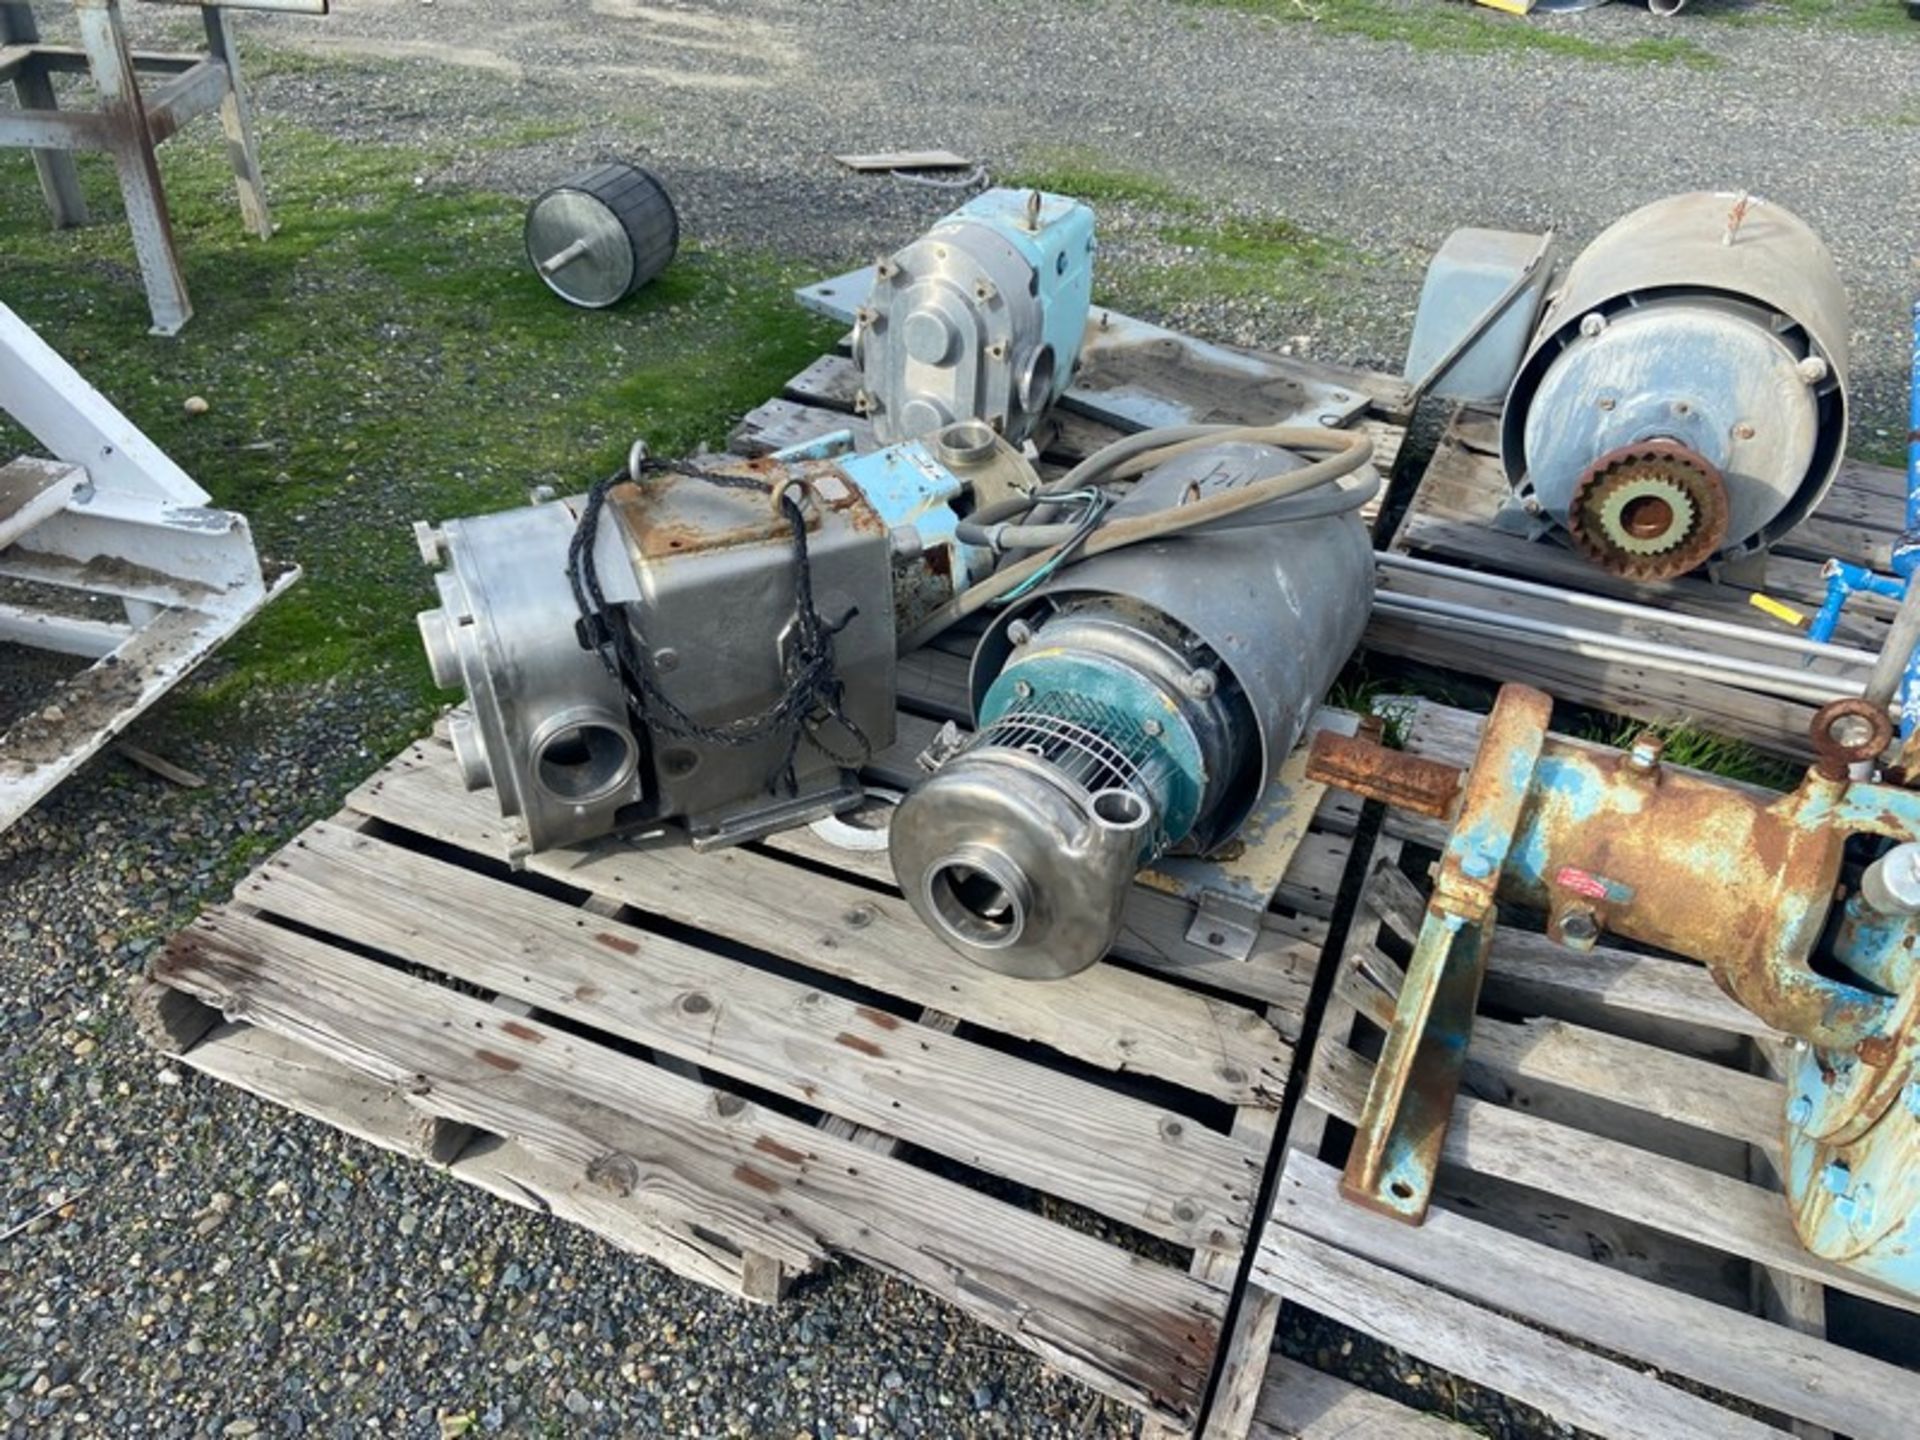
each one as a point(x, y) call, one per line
point(980, 319)
point(1605, 841)
point(1684, 396)
point(711, 644)
point(1134, 702)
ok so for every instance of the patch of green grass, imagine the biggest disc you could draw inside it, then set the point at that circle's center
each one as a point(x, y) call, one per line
point(1686, 744)
point(1882, 17)
point(1241, 256)
point(1458, 27)
point(1231, 258)
point(388, 356)
point(531, 132)
point(1086, 176)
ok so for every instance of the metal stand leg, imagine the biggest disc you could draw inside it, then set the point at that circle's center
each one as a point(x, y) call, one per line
point(105, 39)
point(236, 118)
point(59, 181)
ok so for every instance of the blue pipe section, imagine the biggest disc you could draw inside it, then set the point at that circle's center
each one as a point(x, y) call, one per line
point(1845, 580)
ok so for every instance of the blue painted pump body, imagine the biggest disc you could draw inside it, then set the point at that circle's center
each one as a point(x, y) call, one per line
point(1060, 250)
point(1627, 846)
point(907, 485)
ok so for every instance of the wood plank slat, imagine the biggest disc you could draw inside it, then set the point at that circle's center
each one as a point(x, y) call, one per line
point(1135, 1162)
point(1738, 1354)
point(1134, 1329)
point(1107, 1016)
point(302, 1079)
point(1301, 1403)
point(1506, 1056)
point(1582, 1388)
point(1718, 1211)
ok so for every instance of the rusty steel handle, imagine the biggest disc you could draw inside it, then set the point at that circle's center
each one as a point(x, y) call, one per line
point(1406, 782)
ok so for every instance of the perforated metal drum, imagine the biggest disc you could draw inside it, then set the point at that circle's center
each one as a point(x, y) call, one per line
point(597, 238)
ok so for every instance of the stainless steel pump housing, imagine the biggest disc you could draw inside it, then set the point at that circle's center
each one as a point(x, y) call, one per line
point(705, 573)
point(1138, 702)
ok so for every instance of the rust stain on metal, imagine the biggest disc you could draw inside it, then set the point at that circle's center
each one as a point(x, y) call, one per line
point(879, 1017)
point(768, 1145)
point(747, 1175)
point(496, 1060)
point(523, 1032)
point(1878, 1051)
point(855, 1042)
point(618, 942)
point(1404, 781)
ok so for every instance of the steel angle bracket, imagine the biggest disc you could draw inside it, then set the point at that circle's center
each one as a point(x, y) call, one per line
point(1409, 1105)
point(1232, 889)
point(121, 563)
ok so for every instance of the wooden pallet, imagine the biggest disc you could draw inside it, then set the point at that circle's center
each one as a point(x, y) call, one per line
point(1449, 520)
point(1607, 1244)
point(743, 1063)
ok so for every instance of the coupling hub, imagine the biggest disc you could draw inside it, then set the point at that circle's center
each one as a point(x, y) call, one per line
point(1649, 511)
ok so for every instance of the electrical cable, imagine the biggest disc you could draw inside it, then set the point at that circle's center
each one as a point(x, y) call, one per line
point(1345, 451)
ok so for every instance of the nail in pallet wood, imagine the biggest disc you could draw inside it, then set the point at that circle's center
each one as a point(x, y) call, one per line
point(740, 1064)
point(1449, 521)
point(1607, 1244)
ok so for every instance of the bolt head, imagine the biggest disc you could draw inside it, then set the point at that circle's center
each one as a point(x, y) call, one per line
point(1201, 684)
point(1019, 633)
point(1023, 689)
point(1153, 728)
point(1813, 369)
point(1835, 1178)
point(1578, 927)
point(1476, 865)
point(1593, 324)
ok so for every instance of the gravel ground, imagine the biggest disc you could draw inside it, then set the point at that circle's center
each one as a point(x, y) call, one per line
point(222, 1268)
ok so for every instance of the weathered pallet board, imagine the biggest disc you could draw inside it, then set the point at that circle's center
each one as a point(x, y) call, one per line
point(740, 1064)
point(1449, 520)
point(1607, 1243)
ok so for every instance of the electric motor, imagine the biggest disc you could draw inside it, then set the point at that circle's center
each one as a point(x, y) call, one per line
point(1138, 701)
point(1684, 397)
point(981, 318)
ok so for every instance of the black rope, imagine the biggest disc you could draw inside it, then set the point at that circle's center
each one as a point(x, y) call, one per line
point(813, 694)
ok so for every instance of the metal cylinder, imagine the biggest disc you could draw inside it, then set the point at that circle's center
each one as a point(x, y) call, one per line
point(1140, 700)
point(1684, 398)
point(597, 238)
